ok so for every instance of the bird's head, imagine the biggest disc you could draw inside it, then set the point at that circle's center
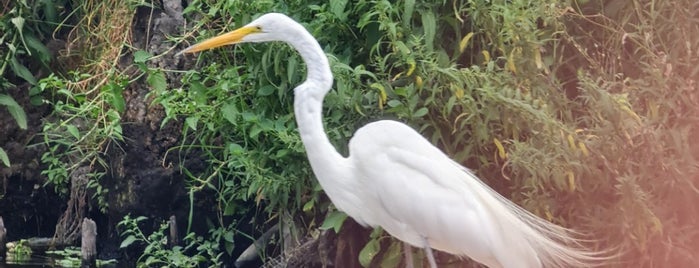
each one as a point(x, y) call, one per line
point(268, 27)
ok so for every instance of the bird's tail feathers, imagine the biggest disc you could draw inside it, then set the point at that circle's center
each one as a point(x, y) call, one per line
point(554, 245)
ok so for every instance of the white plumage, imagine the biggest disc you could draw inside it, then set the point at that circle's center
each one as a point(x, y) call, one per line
point(396, 179)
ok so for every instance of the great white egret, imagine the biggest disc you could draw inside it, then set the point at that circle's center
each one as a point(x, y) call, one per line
point(396, 179)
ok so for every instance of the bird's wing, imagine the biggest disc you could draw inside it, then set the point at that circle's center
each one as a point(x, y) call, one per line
point(419, 192)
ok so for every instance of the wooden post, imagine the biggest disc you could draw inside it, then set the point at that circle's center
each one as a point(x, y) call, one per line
point(3, 238)
point(174, 238)
point(88, 245)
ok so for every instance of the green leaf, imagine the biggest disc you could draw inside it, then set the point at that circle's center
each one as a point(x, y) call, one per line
point(3, 156)
point(420, 112)
point(35, 45)
point(15, 110)
point(334, 220)
point(19, 24)
point(429, 24)
point(73, 130)
point(141, 56)
point(22, 71)
point(337, 7)
point(369, 252)
point(408, 9)
point(255, 131)
point(117, 98)
point(230, 246)
point(291, 72)
point(127, 241)
point(229, 209)
point(192, 122)
point(393, 255)
point(308, 206)
point(228, 236)
point(229, 112)
point(394, 103)
point(35, 97)
point(249, 117)
point(50, 12)
point(400, 45)
point(157, 81)
point(265, 90)
point(235, 149)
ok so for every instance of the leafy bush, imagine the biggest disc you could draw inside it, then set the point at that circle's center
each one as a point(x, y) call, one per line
point(556, 104)
point(21, 27)
point(197, 251)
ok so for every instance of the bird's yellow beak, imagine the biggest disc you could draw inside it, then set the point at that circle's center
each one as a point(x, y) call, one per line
point(222, 40)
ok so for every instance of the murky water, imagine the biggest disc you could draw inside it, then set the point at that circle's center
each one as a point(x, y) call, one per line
point(34, 262)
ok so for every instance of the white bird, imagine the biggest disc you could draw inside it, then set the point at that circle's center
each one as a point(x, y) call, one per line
point(396, 179)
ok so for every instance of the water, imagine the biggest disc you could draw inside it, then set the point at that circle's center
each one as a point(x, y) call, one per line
point(67, 257)
point(34, 261)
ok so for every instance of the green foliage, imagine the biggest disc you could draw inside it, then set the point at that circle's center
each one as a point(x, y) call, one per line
point(197, 251)
point(334, 220)
point(557, 116)
point(86, 122)
point(239, 116)
point(4, 158)
point(403, 60)
point(637, 107)
point(15, 110)
point(21, 27)
point(372, 254)
point(20, 117)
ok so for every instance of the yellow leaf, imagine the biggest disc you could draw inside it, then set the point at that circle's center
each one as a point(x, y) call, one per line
point(501, 149)
point(571, 142)
point(653, 109)
point(549, 216)
point(623, 101)
point(382, 94)
point(583, 148)
point(459, 93)
point(411, 69)
point(511, 62)
point(486, 56)
point(633, 114)
point(571, 181)
point(464, 41)
point(418, 81)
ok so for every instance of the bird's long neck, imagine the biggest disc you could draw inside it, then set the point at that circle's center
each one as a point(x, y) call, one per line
point(308, 108)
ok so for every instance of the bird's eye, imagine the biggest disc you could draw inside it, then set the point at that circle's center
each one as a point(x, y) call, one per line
point(259, 28)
